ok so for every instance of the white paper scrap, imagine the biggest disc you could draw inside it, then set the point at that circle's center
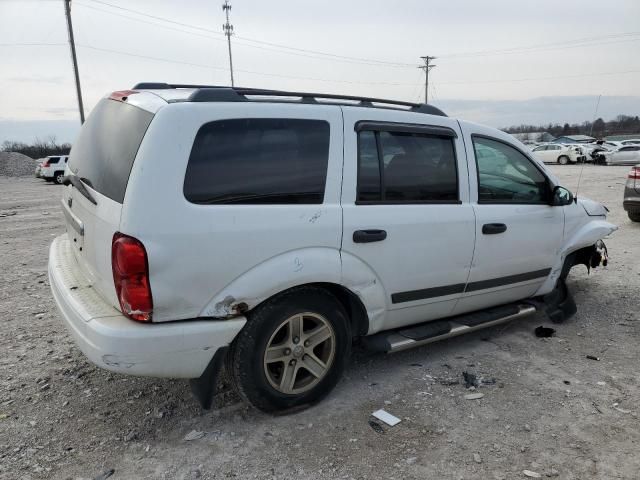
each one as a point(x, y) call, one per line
point(386, 417)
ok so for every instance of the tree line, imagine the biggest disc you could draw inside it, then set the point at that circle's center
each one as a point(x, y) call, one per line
point(37, 149)
point(622, 124)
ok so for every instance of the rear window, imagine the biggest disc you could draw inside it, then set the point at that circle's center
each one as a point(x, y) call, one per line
point(103, 154)
point(258, 161)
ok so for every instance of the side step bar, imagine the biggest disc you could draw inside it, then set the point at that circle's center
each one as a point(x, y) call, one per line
point(429, 332)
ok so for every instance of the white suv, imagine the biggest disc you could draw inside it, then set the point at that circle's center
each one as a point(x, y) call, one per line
point(283, 225)
point(52, 168)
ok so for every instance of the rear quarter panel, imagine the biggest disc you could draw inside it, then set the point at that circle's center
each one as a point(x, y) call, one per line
point(204, 259)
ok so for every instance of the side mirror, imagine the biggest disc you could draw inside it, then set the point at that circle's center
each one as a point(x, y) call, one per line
point(561, 197)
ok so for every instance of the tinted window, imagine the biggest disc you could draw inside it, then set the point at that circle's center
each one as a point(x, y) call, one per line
point(540, 149)
point(103, 154)
point(54, 160)
point(258, 161)
point(415, 167)
point(507, 176)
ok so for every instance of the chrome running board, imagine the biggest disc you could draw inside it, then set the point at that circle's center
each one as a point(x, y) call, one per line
point(415, 336)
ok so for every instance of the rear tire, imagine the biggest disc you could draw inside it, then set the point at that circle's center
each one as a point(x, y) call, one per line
point(291, 326)
point(58, 177)
point(634, 216)
point(563, 160)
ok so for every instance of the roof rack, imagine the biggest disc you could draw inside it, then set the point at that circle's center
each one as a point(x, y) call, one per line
point(218, 93)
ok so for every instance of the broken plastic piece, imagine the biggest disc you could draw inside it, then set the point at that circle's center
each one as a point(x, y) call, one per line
point(386, 417)
point(544, 332)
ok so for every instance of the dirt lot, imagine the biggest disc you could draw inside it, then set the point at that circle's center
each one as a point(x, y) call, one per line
point(552, 410)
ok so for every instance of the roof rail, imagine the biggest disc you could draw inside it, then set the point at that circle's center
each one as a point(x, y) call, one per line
point(217, 93)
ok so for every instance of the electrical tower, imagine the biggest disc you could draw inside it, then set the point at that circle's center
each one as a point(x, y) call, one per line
point(72, 44)
point(427, 68)
point(228, 31)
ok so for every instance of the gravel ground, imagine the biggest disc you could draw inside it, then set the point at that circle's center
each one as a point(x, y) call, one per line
point(551, 410)
point(14, 164)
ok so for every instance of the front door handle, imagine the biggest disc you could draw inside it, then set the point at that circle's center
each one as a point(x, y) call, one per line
point(493, 228)
point(368, 236)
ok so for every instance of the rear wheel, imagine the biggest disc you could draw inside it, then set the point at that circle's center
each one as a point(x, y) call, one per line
point(563, 160)
point(59, 176)
point(634, 216)
point(292, 351)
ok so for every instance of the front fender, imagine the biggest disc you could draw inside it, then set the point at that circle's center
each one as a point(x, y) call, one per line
point(279, 273)
point(585, 236)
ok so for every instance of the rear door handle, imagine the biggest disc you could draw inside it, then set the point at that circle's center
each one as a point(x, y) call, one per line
point(493, 228)
point(368, 236)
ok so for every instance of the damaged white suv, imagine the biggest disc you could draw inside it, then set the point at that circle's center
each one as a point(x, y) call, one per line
point(269, 229)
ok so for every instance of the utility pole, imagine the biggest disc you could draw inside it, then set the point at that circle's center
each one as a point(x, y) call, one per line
point(72, 44)
point(427, 68)
point(228, 31)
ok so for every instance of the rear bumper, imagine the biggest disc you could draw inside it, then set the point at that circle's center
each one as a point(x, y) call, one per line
point(180, 349)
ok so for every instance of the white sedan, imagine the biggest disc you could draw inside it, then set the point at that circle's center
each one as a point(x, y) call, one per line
point(559, 153)
point(627, 155)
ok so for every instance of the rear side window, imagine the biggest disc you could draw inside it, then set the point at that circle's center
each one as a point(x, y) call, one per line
point(258, 161)
point(406, 167)
point(54, 160)
point(109, 140)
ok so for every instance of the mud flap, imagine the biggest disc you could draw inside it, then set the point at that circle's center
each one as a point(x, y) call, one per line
point(204, 387)
point(559, 304)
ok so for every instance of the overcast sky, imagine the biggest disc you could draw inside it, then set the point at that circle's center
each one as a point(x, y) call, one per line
point(485, 72)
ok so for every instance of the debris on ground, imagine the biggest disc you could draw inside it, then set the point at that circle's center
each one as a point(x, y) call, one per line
point(193, 435)
point(448, 381)
point(474, 396)
point(531, 474)
point(592, 357)
point(376, 426)
point(386, 417)
point(473, 380)
point(106, 474)
point(476, 458)
point(544, 332)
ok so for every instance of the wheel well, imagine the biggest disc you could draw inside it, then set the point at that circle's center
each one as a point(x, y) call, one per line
point(352, 305)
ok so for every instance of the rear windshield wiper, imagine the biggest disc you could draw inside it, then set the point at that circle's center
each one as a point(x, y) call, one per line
point(76, 182)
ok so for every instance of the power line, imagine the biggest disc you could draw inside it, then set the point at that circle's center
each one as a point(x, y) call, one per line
point(285, 49)
point(276, 45)
point(32, 44)
point(581, 42)
point(440, 84)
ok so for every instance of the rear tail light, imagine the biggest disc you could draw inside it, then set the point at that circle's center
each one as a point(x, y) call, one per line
point(635, 173)
point(131, 277)
point(45, 164)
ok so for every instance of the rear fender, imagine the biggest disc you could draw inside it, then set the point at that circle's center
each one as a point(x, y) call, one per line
point(585, 236)
point(275, 275)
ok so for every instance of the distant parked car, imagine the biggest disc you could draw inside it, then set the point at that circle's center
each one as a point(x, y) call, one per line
point(627, 155)
point(52, 168)
point(559, 153)
point(631, 141)
point(631, 202)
